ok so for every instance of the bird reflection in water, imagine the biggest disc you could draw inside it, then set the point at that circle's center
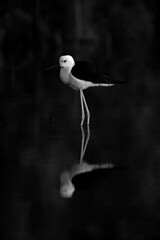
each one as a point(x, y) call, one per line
point(67, 188)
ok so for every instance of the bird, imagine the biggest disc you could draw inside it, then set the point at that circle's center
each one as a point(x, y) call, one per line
point(79, 76)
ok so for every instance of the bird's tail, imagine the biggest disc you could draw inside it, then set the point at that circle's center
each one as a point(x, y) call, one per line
point(102, 166)
point(101, 85)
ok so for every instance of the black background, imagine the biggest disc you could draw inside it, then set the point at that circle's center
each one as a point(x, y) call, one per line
point(40, 117)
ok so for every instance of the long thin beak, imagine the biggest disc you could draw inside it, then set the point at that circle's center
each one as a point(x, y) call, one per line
point(46, 69)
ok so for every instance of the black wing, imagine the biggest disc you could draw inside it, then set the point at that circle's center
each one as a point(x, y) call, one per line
point(87, 71)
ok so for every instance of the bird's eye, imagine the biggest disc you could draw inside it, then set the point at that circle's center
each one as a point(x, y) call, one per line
point(65, 60)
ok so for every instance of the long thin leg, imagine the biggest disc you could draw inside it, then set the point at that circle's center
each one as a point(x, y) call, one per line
point(82, 144)
point(87, 110)
point(82, 107)
point(87, 139)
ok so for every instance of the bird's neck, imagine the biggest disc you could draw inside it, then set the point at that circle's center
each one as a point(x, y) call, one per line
point(64, 74)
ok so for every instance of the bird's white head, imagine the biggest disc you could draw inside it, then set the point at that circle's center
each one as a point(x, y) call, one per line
point(66, 61)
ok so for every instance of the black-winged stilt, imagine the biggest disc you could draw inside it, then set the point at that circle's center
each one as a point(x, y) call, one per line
point(80, 76)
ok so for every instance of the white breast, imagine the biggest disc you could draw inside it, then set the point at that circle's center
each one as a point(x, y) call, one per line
point(75, 83)
point(64, 75)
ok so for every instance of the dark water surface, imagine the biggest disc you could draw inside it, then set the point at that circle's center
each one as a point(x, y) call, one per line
point(47, 193)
